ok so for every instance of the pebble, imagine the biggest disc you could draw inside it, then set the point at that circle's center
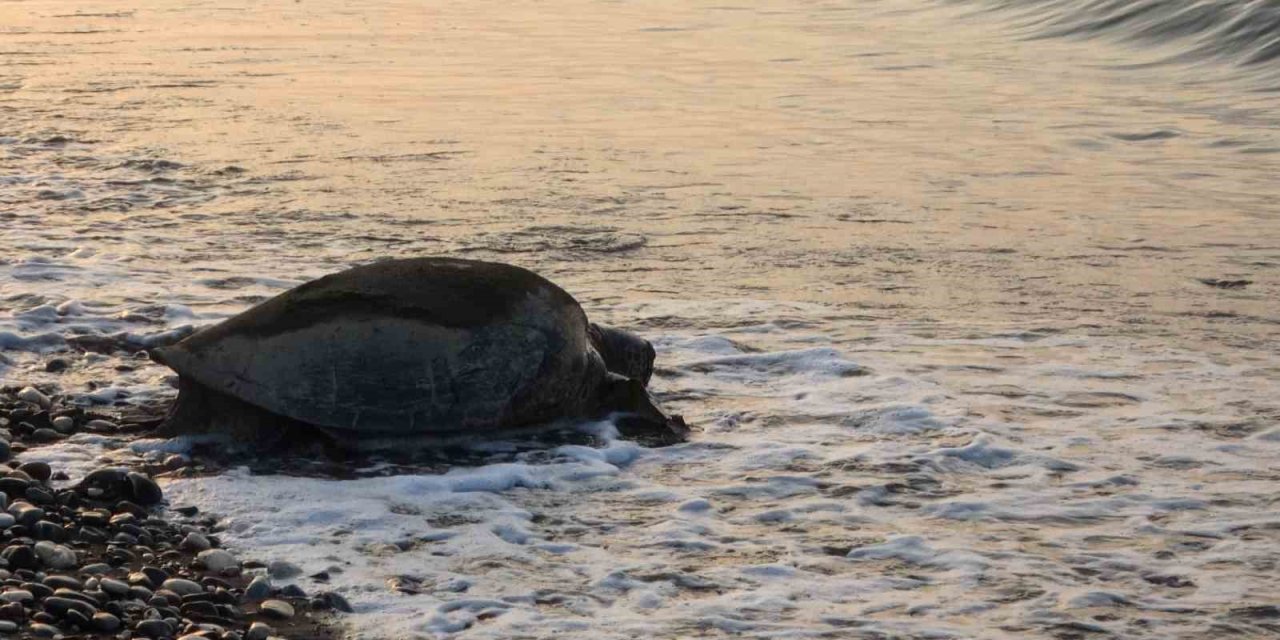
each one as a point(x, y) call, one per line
point(278, 609)
point(282, 570)
point(258, 631)
point(59, 606)
point(105, 622)
point(34, 396)
point(100, 425)
point(5, 450)
point(17, 595)
point(55, 556)
point(41, 630)
point(45, 434)
point(38, 471)
point(182, 586)
point(114, 588)
point(8, 626)
point(64, 424)
point(56, 365)
point(7, 521)
point(154, 629)
point(195, 541)
point(143, 489)
point(63, 582)
point(257, 590)
point(218, 560)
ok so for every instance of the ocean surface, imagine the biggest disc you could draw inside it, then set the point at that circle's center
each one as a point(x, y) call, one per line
point(972, 304)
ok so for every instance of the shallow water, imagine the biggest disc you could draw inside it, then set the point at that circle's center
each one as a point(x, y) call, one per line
point(955, 306)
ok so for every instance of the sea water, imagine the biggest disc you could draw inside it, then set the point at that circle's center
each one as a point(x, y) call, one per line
point(971, 304)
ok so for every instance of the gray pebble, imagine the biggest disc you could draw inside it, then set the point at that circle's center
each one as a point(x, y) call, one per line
point(257, 590)
point(45, 434)
point(59, 606)
point(33, 395)
point(281, 570)
point(96, 568)
point(41, 630)
point(105, 622)
point(278, 609)
point(100, 425)
point(195, 541)
point(55, 556)
point(7, 521)
point(182, 587)
point(114, 588)
point(64, 424)
point(63, 582)
point(218, 560)
point(258, 631)
point(17, 595)
point(7, 626)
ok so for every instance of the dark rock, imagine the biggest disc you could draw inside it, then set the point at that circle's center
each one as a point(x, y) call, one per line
point(105, 622)
point(14, 486)
point(56, 365)
point(155, 629)
point(293, 591)
point(45, 434)
point(335, 601)
point(19, 556)
point(38, 471)
point(62, 582)
point(144, 490)
point(45, 530)
point(59, 606)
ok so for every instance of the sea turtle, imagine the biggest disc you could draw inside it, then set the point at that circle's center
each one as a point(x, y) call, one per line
point(422, 349)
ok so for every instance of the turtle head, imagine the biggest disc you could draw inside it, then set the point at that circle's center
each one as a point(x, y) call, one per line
point(638, 416)
point(625, 354)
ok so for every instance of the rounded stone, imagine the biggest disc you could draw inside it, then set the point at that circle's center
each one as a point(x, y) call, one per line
point(278, 609)
point(64, 424)
point(42, 630)
point(259, 631)
point(19, 556)
point(143, 489)
point(63, 582)
point(195, 541)
point(55, 556)
point(155, 629)
point(38, 471)
point(17, 595)
point(45, 530)
point(45, 434)
point(258, 589)
point(105, 622)
point(114, 588)
point(34, 396)
point(217, 560)
point(59, 606)
point(283, 570)
point(182, 586)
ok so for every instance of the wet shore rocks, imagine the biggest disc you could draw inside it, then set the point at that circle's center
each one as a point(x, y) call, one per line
point(101, 556)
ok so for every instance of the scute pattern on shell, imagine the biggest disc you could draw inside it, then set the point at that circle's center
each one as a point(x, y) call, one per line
point(400, 347)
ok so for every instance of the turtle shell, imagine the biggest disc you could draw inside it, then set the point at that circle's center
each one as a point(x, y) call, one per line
point(399, 347)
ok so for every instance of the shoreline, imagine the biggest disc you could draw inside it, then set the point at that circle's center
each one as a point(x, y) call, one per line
point(98, 555)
